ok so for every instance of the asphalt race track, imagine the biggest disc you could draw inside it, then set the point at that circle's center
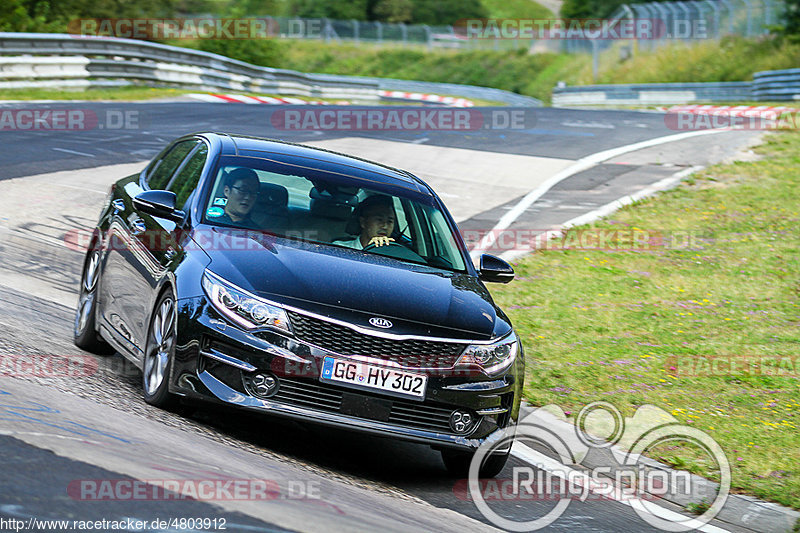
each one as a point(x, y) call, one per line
point(57, 431)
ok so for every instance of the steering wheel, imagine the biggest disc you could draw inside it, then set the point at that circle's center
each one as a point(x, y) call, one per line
point(396, 251)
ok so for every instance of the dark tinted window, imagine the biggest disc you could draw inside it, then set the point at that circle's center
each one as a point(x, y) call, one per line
point(185, 181)
point(164, 169)
point(306, 203)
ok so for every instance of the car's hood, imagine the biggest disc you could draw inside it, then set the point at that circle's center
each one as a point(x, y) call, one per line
point(353, 286)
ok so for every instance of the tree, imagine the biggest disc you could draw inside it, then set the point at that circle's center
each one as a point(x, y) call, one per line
point(334, 9)
point(582, 9)
point(792, 17)
point(393, 11)
point(441, 12)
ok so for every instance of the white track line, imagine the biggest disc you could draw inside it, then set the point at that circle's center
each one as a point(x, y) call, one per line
point(539, 460)
point(579, 165)
point(610, 207)
point(72, 152)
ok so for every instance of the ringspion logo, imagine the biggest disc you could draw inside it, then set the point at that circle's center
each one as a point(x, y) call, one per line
point(598, 425)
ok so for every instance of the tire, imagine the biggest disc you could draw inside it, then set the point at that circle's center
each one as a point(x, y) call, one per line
point(159, 353)
point(84, 330)
point(457, 463)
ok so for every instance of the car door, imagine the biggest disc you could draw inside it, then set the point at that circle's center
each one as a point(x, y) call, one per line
point(142, 246)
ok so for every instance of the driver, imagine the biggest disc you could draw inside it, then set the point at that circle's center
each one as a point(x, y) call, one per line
point(376, 220)
point(241, 189)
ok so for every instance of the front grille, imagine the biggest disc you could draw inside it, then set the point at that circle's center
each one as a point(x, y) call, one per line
point(345, 341)
point(323, 397)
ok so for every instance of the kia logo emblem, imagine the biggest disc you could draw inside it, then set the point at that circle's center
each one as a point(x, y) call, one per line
point(380, 322)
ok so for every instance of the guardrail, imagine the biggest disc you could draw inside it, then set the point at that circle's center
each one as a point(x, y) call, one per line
point(455, 89)
point(777, 85)
point(770, 85)
point(46, 59)
point(49, 60)
point(653, 93)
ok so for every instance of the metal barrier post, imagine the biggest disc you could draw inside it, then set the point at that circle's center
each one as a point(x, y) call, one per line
point(768, 8)
point(749, 15)
point(674, 16)
point(664, 17)
point(717, 20)
point(636, 8)
point(699, 6)
point(730, 15)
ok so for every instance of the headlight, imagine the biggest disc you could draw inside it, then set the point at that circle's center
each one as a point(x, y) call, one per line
point(492, 358)
point(242, 307)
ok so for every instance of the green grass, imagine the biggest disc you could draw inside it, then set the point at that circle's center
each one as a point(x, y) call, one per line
point(526, 9)
point(148, 93)
point(610, 325)
point(111, 93)
point(513, 70)
point(517, 71)
point(731, 59)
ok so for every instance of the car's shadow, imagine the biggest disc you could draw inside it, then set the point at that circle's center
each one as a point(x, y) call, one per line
point(366, 456)
point(369, 457)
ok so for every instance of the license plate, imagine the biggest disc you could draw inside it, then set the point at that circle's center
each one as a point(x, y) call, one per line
point(363, 376)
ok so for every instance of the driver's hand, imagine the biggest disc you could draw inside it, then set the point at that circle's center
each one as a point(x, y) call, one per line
point(380, 241)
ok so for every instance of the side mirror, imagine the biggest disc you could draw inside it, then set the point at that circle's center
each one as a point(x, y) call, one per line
point(159, 204)
point(495, 270)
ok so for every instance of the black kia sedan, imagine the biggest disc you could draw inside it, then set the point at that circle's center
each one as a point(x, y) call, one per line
point(298, 282)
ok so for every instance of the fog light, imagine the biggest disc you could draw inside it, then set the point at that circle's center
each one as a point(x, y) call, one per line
point(462, 421)
point(261, 385)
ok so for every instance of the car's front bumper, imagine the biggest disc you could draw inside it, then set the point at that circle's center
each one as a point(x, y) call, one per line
point(213, 356)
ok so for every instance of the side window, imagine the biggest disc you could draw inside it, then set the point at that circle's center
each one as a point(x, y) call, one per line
point(164, 168)
point(185, 181)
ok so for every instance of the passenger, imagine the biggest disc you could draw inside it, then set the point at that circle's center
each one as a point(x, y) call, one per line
point(241, 189)
point(376, 219)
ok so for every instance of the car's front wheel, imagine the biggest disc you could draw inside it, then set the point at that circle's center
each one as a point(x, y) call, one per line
point(159, 352)
point(84, 331)
point(458, 463)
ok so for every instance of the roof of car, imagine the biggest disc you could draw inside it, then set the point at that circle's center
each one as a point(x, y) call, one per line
point(243, 145)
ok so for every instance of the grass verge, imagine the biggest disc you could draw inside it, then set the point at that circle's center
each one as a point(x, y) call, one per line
point(110, 93)
point(646, 327)
point(730, 59)
point(516, 9)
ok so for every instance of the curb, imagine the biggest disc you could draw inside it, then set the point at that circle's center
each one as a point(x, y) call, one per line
point(429, 98)
point(739, 510)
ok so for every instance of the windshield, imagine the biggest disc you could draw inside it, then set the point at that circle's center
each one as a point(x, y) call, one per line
point(325, 207)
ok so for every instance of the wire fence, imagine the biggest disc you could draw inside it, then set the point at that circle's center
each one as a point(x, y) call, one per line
point(359, 31)
point(687, 21)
